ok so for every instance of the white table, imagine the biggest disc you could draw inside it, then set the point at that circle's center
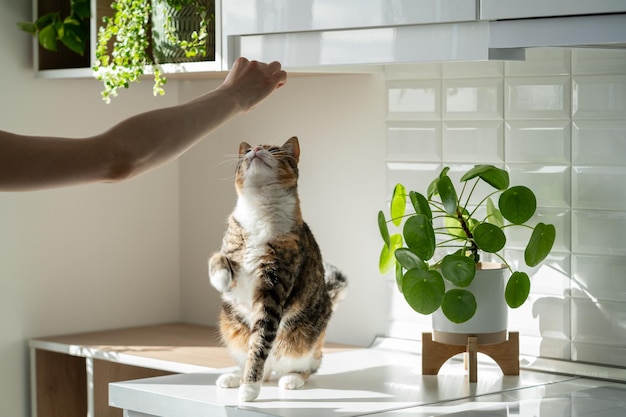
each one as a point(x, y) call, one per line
point(382, 378)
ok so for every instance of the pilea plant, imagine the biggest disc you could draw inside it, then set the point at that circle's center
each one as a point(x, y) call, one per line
point(71, 30)
point(126, 45)
point(444, 223)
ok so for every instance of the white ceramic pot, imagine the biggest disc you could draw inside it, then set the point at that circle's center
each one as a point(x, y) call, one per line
point(489, 323)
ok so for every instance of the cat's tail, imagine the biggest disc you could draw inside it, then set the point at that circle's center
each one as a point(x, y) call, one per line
point(336, 283)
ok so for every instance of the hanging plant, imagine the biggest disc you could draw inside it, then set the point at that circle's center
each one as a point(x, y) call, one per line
point(129, 44)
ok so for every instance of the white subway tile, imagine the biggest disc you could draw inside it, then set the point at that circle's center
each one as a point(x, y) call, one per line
point(479, 69)
point(413, 71)
point(599, 142)
point(414, 100)
point(599, 97)
point(601, 322)
point(479, 142)
point(599, 277)
point(414, 176)
point(537, 98)
point(599, 187)
point(551, 277)
point(599, 232)
point(541, 61)
point(550, 183)
point(561, 219)
point(553, 313)
point(538, 141)
point(472, 99)
point(598, 61)
point(597, 353)
point(410, 141)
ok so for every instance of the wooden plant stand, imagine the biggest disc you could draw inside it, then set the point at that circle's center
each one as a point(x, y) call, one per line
point(506, 354)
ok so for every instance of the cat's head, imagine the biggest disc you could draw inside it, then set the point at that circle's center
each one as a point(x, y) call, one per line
point(264, 165)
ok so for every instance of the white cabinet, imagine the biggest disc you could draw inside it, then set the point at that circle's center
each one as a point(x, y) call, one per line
point(319, 34)
point(262, 16)
point(516, 9)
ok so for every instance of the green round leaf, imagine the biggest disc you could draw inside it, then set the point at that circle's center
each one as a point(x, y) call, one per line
point(420, 204)
point(458, 305)
point(432, 188)
point(382, 227)
point(398, 204)
point(517, 289)
point(454, 227)
point(419, 236)
point(423, 290)
point(408, 259)
point(540, 244)
point(517, 204)
point(496, 177)
point(458, 269)
point(489, 238)
point(387, 258)
point(447, 194)
point(493, 214)
point(399, 272)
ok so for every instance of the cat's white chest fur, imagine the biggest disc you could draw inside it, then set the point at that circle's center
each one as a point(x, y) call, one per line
point(264, 217)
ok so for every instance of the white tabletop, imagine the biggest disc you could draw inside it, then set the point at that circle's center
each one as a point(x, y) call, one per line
point(381, 378)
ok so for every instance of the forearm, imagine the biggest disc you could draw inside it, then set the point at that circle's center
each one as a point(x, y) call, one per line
point(147, 140)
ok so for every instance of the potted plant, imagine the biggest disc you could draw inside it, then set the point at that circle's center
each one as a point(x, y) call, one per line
point(438, 254)
point(71, 30)
point(141, 35)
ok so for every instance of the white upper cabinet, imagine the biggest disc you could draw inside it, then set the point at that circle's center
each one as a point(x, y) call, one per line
point(270, 16)
point(517, 9)
point(312, 34)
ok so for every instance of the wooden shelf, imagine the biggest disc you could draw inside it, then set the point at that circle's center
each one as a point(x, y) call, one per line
point(71, 373)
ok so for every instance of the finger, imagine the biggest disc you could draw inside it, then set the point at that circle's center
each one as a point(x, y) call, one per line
point(274, 66)
point(241, 60)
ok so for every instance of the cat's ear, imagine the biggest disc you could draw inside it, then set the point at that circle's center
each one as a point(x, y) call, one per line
point(243, 148)
point(293, 147)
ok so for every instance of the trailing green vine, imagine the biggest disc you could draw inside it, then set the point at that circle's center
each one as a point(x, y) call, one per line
point(123, 49)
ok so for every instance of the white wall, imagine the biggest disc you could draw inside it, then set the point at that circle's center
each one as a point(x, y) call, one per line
point(82, 258)
point(339, 122)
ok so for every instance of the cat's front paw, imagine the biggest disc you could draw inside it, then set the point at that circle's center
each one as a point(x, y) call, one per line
point(220, 273)
point(221, 280)
point(230, 380)
point(249, 392)
point(291, 381)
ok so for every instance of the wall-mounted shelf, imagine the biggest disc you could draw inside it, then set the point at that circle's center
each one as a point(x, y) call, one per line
point(67, 64)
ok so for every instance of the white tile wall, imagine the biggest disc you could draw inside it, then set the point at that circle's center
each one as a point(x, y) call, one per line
point(557, 122)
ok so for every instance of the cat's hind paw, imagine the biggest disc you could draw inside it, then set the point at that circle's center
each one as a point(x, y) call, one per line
point(230, 380)
point(291, 381)
point(249, 392)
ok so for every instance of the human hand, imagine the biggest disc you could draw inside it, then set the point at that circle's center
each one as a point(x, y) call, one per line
point(251, 82)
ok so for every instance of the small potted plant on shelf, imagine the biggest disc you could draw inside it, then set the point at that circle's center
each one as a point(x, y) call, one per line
point(142, 34)
point(71, 30)
point(438, 255)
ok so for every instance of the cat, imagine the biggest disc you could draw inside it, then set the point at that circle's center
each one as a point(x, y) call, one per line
point(277, 294)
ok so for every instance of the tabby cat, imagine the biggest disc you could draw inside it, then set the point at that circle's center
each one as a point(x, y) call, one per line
point(277, 294)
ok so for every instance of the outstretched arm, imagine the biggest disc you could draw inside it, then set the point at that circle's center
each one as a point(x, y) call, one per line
point(137, 144)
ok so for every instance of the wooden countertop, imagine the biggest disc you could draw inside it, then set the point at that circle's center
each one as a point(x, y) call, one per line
point(168, 346)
